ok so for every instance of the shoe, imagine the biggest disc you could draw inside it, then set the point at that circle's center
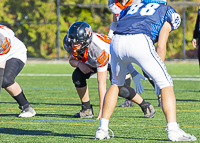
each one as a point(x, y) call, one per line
point(127, 103)
point(159, 101)
point(27, 111)
point(102, 134)
point(84, 113)
point(179, 135)
point(148, 110)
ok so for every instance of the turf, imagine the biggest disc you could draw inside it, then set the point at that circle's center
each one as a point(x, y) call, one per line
point(55, 100)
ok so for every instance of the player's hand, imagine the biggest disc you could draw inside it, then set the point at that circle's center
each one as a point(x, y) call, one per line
point(84, 68)
point(136, 76)
point(194, 43)
point(157, 90)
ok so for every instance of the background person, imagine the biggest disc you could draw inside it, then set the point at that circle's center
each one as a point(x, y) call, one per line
point(196, 35)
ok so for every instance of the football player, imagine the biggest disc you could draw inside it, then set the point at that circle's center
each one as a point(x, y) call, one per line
point(138, 28)
point(90, 54)
point(14, 61)
point(116, 6)
point(196, 35)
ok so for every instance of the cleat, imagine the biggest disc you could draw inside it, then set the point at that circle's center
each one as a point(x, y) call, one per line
point(127, 103)
point(159, 101)
point(27, 111)
point(148, 110)
point(179, 135)
point(102, 134)
point(84, 113)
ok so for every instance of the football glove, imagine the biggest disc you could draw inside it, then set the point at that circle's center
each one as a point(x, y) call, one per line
point(136, 76)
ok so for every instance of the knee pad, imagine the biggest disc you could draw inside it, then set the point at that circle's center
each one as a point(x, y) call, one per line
point(78, 78)
point(12, 69)
point(127, 92)
point(8, 80)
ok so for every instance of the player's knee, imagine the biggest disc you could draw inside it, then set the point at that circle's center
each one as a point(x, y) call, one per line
point(8, 80)
point(78, 79)
point(127, 92)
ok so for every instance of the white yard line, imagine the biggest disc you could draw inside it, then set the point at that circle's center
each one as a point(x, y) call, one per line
point(174, 77)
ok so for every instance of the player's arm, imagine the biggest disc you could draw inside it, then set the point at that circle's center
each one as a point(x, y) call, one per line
point(82, 66)
point(196, 33)
point(113, 26)
point(73, 62)
point(101, 78)
point(162, 40)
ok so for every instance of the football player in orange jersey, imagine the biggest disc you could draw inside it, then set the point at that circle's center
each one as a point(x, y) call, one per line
point(13, 62)
point(90, 54)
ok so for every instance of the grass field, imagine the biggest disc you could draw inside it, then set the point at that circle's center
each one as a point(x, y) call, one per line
point(50, 90)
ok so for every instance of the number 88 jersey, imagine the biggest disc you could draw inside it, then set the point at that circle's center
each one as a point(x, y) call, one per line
point(146, 19)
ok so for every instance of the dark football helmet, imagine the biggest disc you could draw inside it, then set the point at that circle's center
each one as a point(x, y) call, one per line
point(78, 38)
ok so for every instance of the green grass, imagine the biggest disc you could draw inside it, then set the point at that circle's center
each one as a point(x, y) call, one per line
point(55, 100)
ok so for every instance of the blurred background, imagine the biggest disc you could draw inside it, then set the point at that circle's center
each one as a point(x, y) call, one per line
point(42, 24)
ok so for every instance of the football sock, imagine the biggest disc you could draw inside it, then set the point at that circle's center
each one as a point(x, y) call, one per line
point(141, 104)
point(86, 105)
point(104, 124)
point(172, 126)
point(21, 99)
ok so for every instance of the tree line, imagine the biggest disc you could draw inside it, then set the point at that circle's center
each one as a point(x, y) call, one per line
point(35, 23)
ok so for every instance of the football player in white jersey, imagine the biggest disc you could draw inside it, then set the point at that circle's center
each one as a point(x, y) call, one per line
point(116, 6)
point(90, 54)
point(14, 60)
point(138, 28)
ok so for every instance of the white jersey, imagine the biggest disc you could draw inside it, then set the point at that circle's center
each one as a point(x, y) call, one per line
point(17, 50)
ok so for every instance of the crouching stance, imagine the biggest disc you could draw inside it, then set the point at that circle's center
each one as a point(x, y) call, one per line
point(15, 60)
point(138, 28)
point(90, 54)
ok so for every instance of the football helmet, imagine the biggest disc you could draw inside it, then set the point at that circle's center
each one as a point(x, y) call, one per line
point(155, 1)
point(78, 38)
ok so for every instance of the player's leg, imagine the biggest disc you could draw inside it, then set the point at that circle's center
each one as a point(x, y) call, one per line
point(127, 103)
point(2, 67)
point(79, 80)
point(152, 83)
point(161, 77)
point(118, 69)
point(129, 93)
point(12, 69)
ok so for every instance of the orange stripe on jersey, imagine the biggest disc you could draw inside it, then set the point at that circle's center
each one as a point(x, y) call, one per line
point(2, 26)
point(103, 59)
point(85, 55)
point(121, 6)
point(104, 38)
point(6, 47)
